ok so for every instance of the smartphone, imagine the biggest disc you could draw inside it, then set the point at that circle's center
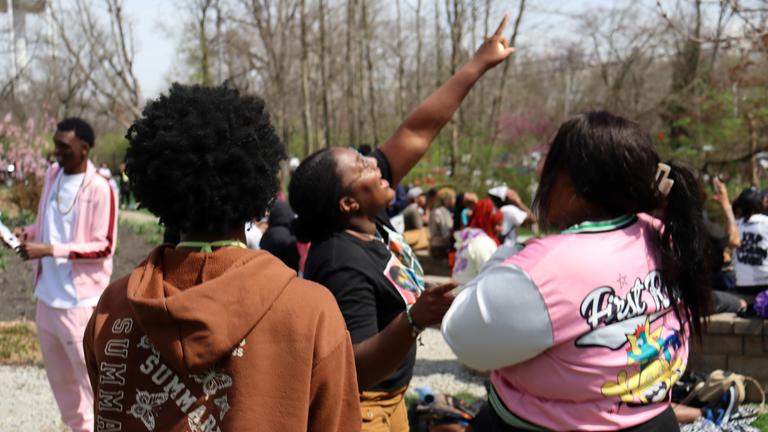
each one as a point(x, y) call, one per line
point(8, 237)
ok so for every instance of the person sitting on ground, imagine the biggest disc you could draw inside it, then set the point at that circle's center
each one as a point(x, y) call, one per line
point(515, 212)
point(340, 197)
point(722, 242)
point(278, 238)
point(462, 212)
point(477, 243)
point(750, 260)
point(441, 224)
point(429, 203)
point(590, 328)
point(413, 213)
point(209, 335)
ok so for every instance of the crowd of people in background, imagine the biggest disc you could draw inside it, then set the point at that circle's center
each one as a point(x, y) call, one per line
point(586, 323)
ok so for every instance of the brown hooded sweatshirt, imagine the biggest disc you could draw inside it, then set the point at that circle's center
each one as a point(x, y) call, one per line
point(230, 340)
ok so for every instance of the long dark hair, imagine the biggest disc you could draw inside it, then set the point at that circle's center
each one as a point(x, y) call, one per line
point(612, 163)
point(314, 194)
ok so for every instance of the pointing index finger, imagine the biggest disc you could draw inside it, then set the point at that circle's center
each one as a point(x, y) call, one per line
point(502, 25)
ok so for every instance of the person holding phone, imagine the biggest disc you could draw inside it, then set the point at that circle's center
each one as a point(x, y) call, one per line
point(73, 238)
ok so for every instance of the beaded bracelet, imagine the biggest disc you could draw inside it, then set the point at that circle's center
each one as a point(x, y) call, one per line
point(415, 330)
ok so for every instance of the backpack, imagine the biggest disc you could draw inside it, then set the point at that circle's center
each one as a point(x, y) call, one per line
point(711, 390)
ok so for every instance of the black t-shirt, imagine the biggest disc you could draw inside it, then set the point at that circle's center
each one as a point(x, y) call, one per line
point(370, 284)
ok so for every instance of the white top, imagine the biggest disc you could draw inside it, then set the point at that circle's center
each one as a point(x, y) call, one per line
point(513, 218)
point(749, 260)
point(253, 235)
point(473, 248)
point(55, 286)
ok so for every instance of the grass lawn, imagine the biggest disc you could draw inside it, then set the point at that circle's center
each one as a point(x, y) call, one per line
point(761, 423)
point(18, 343)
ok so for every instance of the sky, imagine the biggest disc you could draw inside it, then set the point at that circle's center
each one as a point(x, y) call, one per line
point(152, 21)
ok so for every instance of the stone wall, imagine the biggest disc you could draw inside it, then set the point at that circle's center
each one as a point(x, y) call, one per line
point(736, 344)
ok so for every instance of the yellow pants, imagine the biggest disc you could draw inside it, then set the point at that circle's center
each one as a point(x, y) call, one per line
point(384, 412)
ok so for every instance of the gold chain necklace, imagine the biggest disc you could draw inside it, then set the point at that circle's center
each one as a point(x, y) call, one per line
point(58, 200)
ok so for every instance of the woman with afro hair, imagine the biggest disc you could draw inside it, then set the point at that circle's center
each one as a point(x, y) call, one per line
point(340, 198)
point(210, 335)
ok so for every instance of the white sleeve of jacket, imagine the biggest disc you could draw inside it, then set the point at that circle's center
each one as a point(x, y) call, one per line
point(500, 319)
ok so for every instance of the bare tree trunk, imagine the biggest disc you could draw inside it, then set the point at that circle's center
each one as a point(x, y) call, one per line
point(438, 46)
point(324, 75)
point(306, 113)
point(482, 91)
point(350, 96)
point(205, 67)
point(367, 34)
point(418, 50)
point(400, 65)
point(685, 68)
point(473, 101)
point(438, 65)
point(274, 24)
point(360, 99)
point(454, 11)
point(754, 165)
point(499, 99)
point(219, 38)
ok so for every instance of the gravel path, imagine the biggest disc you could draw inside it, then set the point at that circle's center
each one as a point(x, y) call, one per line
point(28, 403)
point(438, 369)
point(31, 406)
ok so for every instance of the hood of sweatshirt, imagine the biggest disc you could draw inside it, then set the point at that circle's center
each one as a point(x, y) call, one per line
point(197, 307)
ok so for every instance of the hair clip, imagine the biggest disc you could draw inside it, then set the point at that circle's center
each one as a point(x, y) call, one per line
point(663, 182)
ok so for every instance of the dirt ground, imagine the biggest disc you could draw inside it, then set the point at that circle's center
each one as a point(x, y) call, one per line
point(16, 281)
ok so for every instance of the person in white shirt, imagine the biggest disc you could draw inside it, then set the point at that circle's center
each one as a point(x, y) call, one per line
point(476, 243)
point(750, 259)
point(515, 212)
point(74, 240)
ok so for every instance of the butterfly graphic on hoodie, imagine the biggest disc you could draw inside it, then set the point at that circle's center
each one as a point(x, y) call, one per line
point(144, 408)
point(213, 381)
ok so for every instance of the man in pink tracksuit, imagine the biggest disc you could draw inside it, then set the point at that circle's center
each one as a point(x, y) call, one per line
point(73, 238)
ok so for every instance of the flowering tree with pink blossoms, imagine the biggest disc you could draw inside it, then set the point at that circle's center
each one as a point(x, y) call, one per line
point(25, 146)
point(23, 162)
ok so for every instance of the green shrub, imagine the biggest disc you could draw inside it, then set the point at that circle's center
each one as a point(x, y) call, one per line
point(109, 149)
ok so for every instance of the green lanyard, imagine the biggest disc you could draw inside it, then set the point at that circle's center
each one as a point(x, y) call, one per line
point(208, 247)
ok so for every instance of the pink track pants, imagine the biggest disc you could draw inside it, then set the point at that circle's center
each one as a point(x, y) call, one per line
point(61, 341)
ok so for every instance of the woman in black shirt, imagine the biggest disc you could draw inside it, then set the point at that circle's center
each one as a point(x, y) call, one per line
point(340, 197)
